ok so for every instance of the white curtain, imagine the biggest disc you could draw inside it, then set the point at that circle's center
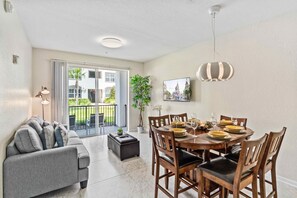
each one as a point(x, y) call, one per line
point(59, 91)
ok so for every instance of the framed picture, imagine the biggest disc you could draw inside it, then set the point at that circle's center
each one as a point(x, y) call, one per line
point(177, 90)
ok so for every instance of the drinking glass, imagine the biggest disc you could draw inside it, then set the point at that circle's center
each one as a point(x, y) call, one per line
point(193, 116)
point(194, 125)
point(175, 120)
point(213, 120)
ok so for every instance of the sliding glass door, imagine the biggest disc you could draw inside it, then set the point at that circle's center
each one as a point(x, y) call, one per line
point(95, 100)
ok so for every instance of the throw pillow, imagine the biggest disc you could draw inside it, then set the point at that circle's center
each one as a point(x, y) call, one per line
point(35, 125)
point(55, 124)
point(48, 137)
point(46, 123)
point(27, 140)
point(61, 135)
point(38, 119)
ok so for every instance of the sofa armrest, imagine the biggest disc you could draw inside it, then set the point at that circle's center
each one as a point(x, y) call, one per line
point(31, 174)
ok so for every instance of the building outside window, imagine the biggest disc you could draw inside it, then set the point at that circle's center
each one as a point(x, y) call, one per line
point(107, 92)
point(92, 74)
point(109, 77)
point(71, 93)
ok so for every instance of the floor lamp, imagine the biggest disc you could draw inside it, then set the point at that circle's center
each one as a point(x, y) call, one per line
point(44, 101)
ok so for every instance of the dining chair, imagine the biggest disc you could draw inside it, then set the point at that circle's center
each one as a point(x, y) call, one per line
point(240, 121)
point(157, 121)
point(175, 161)
point(237, 147)
point(268, 162)
point(234, 176)
point(72, 122)
point(183, 117)
point(92, 122)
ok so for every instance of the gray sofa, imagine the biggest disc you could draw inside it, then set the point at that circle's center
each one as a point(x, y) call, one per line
point(34, 173)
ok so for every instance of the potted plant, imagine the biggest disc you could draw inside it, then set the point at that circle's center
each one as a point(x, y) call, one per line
point(141, 90)
point(120, 131)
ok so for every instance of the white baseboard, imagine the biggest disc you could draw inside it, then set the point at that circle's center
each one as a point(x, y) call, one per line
point(287, 181)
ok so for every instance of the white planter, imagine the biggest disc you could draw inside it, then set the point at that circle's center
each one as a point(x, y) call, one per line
point(140, 129)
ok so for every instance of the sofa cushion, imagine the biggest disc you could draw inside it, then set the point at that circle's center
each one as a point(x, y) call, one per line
point(27, 140)
point(83, 156)
point(11, 149)
point(48, 137)
point(38, 119)
point(35, 125)
point(61, 135)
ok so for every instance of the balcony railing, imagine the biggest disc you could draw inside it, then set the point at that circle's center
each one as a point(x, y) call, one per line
point(79, 116)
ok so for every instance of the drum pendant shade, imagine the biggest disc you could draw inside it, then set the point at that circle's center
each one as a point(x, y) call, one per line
point(214, 71)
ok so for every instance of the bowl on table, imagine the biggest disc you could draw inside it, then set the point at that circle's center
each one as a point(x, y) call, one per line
point(226, 122)
point(178, 132)
point(178, 124)
point(233, 128)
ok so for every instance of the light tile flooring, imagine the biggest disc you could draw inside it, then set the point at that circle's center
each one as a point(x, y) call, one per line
point(131, 178)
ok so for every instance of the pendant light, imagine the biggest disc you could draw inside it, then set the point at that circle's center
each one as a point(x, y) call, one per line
point(214, 71)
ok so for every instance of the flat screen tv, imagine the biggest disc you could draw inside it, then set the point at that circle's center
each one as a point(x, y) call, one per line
point(177, 90)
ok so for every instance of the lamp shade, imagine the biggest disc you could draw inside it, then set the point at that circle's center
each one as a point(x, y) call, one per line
point(45, 91)
point(215, 71)
point(45, 102)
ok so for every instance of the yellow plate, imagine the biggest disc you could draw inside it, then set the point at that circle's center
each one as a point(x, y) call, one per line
point(220, 134)
point(228, 137)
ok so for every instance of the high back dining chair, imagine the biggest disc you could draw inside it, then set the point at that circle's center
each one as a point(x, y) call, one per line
point(72, 123)
point(183, 117)
point(240, 121)
point(268, 162)
point(156, 121)
point(234, 176)
point(92, 122)
point(176, 160)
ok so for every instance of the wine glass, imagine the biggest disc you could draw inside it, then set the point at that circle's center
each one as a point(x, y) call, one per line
point(213, 120)
point(194, 125)
point(176, 120)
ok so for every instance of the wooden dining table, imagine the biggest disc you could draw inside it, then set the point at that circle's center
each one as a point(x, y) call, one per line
point(199, 140)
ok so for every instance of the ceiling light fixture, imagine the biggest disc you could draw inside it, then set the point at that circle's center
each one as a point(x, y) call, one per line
point(214, 71)
point(111, 42)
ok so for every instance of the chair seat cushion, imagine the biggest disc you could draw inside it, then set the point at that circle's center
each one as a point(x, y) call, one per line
point(222, 168)
point(185, 158)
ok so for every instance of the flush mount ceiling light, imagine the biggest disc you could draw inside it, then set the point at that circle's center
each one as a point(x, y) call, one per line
point(111, 42)
point(218, 70)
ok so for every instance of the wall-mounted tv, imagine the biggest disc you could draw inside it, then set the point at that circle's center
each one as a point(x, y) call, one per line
point(177, 90)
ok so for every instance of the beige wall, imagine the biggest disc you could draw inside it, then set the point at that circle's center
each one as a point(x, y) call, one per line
point(42, 74)
point(15, 86)
point(263, 89)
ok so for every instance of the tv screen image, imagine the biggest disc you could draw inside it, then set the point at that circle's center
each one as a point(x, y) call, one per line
point(177, 90)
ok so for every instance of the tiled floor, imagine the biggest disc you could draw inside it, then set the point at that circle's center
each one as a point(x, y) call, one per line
point(112, 178)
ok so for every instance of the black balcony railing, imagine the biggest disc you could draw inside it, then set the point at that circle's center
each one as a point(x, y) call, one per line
point(79, 116)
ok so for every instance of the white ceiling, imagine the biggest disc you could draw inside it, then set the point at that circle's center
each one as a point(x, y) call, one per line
point(151, 28)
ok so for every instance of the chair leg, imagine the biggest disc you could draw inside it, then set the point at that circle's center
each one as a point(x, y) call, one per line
point(176, 185)
point(262, 185)
point(236, 193)
point(157, 179)
point(274, 183)
point(200, 183)
point(166, 178)
point(255, 187)
point(153, 160)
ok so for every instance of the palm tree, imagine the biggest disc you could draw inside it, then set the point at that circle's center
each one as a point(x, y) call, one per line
point(76, 74)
